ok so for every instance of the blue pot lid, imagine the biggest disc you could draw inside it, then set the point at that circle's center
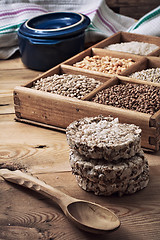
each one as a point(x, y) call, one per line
point(55, 25)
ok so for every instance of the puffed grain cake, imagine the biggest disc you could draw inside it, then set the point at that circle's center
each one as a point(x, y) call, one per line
point(104, 138)
point(128, 186)
point(102, 171)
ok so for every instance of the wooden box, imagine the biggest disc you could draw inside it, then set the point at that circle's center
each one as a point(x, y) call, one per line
point(56, 111)
point(128, 37)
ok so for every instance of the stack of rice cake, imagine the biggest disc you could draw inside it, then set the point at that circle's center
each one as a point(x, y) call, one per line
point(106, 156)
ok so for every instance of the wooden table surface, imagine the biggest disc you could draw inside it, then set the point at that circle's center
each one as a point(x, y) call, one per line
point(25, 214)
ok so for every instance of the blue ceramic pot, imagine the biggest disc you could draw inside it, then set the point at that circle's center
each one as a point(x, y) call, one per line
point(49, 39)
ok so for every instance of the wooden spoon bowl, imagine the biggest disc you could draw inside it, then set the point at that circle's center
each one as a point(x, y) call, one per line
point(92, 217)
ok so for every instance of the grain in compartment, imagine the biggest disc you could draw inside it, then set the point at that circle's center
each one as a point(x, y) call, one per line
point(104, 62)
point(150, 64)
point(63, 69)
point(126, 37)
point(133, 102)
point(49, 108)
point(137, 97)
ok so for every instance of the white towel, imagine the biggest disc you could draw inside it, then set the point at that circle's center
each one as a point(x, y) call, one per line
point(104, 22)
point(11, 17)
point(149, 24)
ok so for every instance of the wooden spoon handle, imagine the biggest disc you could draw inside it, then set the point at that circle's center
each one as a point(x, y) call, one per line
point(37, 185)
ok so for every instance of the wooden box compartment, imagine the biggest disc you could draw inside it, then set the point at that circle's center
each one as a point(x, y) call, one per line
point(150, 124)
point(148, 62)
point(66, 69)
point(56, 111)
point(46, 108)
point(138, 60)
point(128, 37)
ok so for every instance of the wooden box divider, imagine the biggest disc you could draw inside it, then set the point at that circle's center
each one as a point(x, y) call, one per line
point(128, 37)
point(79, 57)
point(92, 74)
point(109, 83)
point(120, 80)
point(146, 63)
point(155, 53)
point(105, 52)
point(139, 60)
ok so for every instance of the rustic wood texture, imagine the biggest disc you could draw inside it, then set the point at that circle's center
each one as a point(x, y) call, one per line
point(133, 8)
point(80, 213)
point(44, 153)
point(60, 111)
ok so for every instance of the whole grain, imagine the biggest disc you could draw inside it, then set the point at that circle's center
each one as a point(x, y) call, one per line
point(70, 85)
point(127, 186)
point(104, 138)
point(149, 75)
point(106, 64)
point(106, 156)
point(135, 47)
point(137, 97)
point(99, 170)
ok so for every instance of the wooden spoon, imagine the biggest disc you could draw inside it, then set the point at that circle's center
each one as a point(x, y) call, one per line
point(86, 215)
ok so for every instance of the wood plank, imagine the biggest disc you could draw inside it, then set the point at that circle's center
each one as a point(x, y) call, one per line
point(8, 81)
point(12, 64)
point(135, 11)
point(132, 8)
point(131, 2)
point(7, 109)
point(147, 141)
point(128, 37)
point(6, 103)
point(39, 149)
point(21, 76)
point(7, 117)
point(46, 218)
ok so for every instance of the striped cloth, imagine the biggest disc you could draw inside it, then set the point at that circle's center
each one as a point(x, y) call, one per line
point(104, 22)
point(11, 17)
point(149, 24)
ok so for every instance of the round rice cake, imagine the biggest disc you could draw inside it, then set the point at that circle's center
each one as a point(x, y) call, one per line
point(103, 171)
point(129, 186)
point(104, 138)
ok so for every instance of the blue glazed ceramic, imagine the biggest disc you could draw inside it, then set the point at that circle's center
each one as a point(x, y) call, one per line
point(49, 39)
